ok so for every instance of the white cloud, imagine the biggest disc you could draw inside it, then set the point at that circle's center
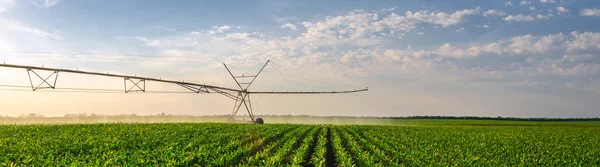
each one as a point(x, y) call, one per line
point(442, 18)
point(519, 17)
point(355, 25)
point(524, 2)
point(146, 41)
point(493, 13)
point(244, 36)
point(46, 4)
point(584, 41)
point(389, 9)
point(531, 7)
point(17, 26)
point(221, 29)
point(290, 26)
point(396, 55)
point(591, 12)
point(483, 26)
point(509, 3)
point(548, 42)
point(354, 42)
point(547, 1)
point(420, 33)
point(50, 3)
point(450, 51)
point(539, 16)
point(561, 10)
point(521, 44)
point(362, 26)
point(455, 18)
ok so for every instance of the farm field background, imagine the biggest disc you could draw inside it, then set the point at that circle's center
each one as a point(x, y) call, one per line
point(406, 143)
point(285, 120)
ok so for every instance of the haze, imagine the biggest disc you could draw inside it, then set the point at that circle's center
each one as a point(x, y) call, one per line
point(479, 58)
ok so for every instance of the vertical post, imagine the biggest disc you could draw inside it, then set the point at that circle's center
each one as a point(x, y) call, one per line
point(125, 84)
point(55, 79)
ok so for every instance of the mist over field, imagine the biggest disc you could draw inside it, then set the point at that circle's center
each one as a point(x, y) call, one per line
point(482, 58)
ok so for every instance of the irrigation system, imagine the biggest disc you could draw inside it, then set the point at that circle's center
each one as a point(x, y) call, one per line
point(240, 95)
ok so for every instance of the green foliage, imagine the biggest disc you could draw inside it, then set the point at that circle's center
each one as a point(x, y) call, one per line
point(215, 144)
point(318, 157)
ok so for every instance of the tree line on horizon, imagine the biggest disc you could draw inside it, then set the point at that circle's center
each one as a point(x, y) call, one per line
point(497, 118)
point(34, 115)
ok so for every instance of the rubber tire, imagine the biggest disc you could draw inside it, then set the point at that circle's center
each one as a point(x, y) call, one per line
point(259, 121)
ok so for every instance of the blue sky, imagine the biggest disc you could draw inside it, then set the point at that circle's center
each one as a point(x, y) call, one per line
point(536, 58)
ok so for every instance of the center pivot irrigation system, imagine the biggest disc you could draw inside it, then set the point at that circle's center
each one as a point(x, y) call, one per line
point(138, 84)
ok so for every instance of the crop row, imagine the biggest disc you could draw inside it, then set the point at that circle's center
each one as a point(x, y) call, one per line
point(466, 146)
point(213, 144)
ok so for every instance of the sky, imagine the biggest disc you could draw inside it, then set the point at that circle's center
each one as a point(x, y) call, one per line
point(536, 58)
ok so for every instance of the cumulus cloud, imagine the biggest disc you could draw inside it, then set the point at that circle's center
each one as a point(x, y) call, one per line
point(524, 2)
point(584, 41)
point(357, 44)
point(483, 26)
point(540, 16)
point(388, 9)
point(529, 44)
point(360, 27)
point(493, 13)
point(395, 54)
point(509, 3)
point(531, 7)
point(439, 18)
point(455, 18)
point(290, 26)
point(547, 1)
point(450, 51)
point(519, 17)
point(221, 29)
point(561, 10)
point(591, 12)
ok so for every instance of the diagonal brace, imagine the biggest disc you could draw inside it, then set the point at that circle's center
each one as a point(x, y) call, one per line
point(194, 89)
point(138, 86)
point(242, 99)
point(44, 80)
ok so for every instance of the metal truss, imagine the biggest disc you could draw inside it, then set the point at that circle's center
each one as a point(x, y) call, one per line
point(45, 81)
point(139, 86)
point(241, 96)
point(195, 89)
